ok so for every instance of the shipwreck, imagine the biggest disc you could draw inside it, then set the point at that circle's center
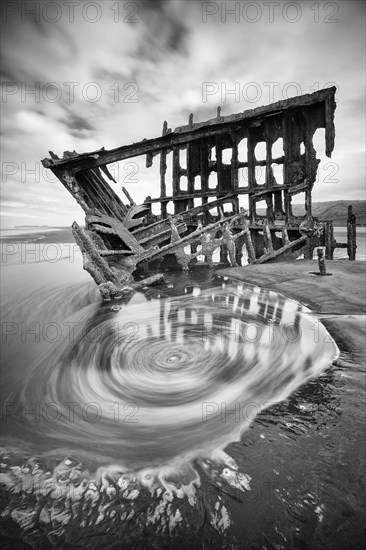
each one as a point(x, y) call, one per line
point(118, 237)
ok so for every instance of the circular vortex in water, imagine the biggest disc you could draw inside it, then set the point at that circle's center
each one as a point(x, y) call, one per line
point(166, 378)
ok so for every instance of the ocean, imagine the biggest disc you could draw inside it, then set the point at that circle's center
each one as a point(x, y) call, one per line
point(201, 414)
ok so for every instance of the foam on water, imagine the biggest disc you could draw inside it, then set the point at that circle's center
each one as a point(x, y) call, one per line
point(152, 394)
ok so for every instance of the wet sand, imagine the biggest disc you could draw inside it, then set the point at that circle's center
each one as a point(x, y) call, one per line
point(50, 235)
point(339, 300)
point(304, 456)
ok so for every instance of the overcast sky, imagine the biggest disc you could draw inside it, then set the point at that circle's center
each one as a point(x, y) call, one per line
point(82, 75)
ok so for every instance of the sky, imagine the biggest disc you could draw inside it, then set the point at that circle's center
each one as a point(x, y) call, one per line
point(80, 75)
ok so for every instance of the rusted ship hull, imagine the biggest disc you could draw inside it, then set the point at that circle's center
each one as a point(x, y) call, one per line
point(117, 237)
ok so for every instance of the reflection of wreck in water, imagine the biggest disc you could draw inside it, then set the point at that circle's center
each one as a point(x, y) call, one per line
point(166, 368)
point(175, 382)
point(117, 238)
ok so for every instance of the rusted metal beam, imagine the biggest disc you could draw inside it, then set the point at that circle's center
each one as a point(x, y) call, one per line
point(186, 134)
point(351, 234)
point(117, 238)
point(132, 202)
point(280, 251)
point(321, 262)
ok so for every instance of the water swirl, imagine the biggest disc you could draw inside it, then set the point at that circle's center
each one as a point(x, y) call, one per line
point(167, 378)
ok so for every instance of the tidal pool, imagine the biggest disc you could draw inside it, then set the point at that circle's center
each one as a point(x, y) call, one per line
point(197, 414)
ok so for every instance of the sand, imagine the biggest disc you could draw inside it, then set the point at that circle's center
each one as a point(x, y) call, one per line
point(339, 300)
point(49, 235)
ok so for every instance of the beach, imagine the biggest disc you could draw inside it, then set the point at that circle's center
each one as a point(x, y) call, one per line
point(293, 470)
point(338, 300)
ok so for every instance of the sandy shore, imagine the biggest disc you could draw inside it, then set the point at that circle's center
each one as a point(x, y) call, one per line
point(338, 300)
point(50, 235)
